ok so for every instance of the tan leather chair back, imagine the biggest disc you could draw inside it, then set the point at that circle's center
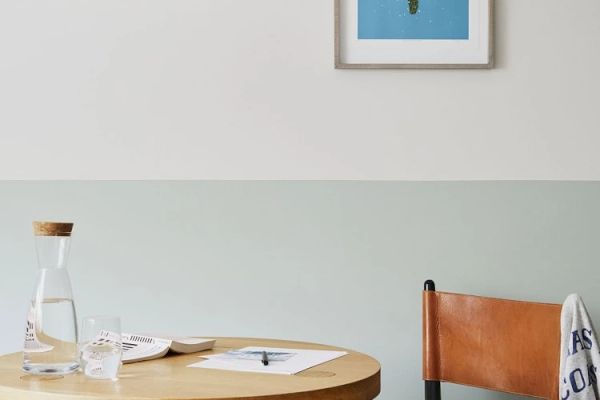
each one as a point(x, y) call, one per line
point(504, 345)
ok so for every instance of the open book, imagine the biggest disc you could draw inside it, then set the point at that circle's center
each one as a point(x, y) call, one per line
point(145, 347)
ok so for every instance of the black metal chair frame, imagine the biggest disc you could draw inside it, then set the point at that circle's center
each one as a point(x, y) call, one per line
point(433, 390)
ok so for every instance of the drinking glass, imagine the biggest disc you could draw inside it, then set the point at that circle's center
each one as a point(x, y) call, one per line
point(101, 347)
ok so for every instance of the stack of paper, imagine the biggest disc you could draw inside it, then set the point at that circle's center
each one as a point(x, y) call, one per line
point(281, 361)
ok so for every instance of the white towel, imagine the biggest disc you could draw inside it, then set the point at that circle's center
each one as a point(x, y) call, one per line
point(579, 352)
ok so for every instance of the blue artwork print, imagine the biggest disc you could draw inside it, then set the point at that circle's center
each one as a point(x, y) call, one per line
point(413, 19)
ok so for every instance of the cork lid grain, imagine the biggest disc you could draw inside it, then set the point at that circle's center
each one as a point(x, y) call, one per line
point(43, 228)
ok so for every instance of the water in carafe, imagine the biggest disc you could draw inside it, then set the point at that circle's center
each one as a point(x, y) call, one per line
point(50, 346)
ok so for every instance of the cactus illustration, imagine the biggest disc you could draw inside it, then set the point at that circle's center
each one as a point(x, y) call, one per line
point(413, 6)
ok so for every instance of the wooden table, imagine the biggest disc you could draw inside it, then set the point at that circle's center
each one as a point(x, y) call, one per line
point(355, 376)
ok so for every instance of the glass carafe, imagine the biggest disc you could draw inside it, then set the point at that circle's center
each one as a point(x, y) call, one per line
point(51, 333)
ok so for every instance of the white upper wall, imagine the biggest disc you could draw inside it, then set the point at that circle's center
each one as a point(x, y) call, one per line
point(237, 89)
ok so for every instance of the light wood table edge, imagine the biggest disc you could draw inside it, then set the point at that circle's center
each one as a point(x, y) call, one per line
point(362, 389)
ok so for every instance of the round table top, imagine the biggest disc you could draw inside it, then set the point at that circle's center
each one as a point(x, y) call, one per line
point(354, 376)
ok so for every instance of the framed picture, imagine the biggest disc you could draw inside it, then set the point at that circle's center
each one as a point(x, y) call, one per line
point(413, 33)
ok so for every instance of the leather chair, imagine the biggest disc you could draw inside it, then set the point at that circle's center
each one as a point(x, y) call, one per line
point(502, 345)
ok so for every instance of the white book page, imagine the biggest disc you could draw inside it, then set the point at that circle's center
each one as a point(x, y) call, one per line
point(140, 346)
point(281, 361)
point(184, 340)
point(178, 339)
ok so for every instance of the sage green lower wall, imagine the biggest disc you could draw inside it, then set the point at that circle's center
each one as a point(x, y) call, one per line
point(330, 262)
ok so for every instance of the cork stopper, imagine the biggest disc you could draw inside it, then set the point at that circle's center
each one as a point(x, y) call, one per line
point(42, 228)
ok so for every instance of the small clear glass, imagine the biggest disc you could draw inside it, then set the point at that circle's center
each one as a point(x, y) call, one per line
point(101, 347)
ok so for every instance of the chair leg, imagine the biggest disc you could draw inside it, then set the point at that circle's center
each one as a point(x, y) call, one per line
point(433, 390)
